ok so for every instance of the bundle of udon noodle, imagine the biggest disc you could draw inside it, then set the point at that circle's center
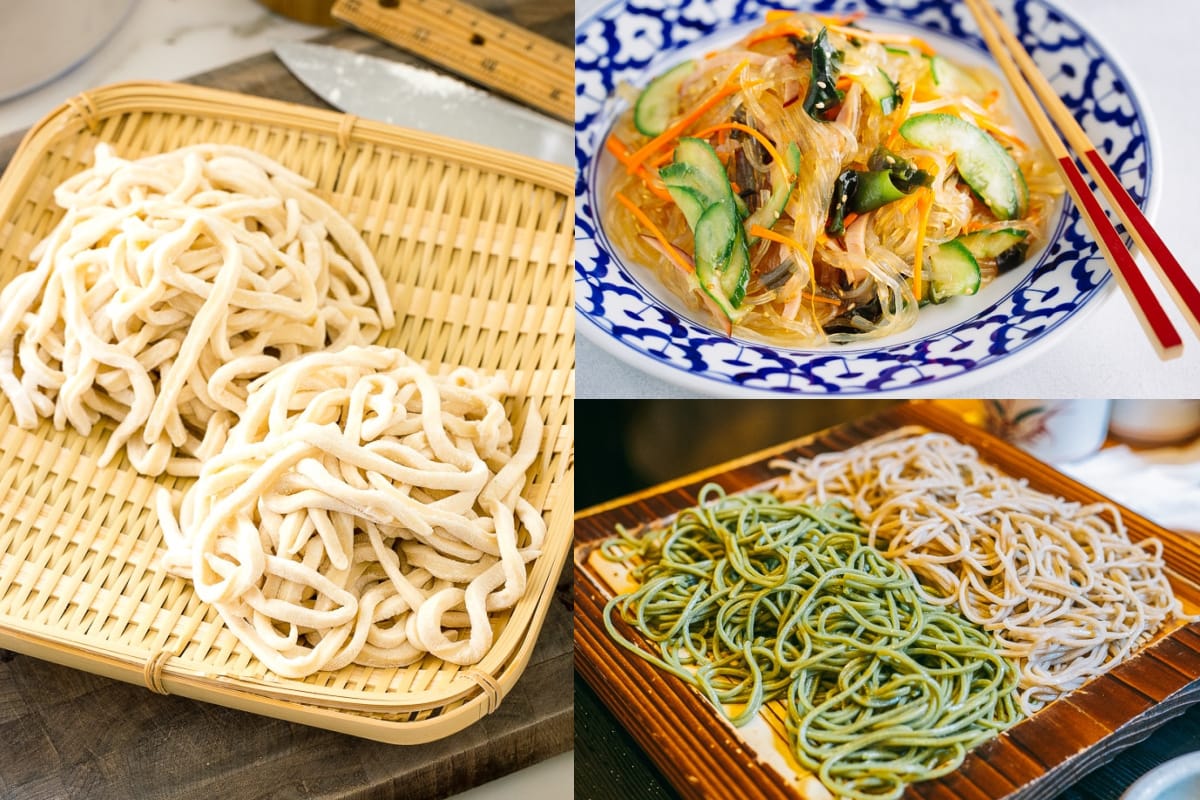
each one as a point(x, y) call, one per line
point(170, 284)
point(362, 511)
point(1059, 584)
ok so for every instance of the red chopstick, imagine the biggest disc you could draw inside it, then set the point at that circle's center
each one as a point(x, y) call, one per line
point(1013, 61)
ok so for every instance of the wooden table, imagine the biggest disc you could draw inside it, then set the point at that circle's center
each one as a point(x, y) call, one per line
point(630, 446)
point(65, 733)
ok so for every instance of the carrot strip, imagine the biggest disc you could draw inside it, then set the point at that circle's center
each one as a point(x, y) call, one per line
point(737, 126)
point(767, 233)
point(848, 220)
point(884, 38)
point(621, 152)
point(728, 87)
point(655, 188)
point(776, 33)
point(1000, 133)
point(775, 15)
point(656, 232)
point(842, 19)
point(924, 206)
point(618, 148)
point(772, 236)
point(660, 159)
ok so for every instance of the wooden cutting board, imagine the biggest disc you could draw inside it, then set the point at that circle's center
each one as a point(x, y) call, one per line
point(70, 733)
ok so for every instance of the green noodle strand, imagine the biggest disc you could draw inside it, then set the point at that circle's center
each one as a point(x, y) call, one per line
point(752, 600)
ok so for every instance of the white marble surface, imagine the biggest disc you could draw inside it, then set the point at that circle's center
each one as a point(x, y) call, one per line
point(1104, 354)
point(171, 39)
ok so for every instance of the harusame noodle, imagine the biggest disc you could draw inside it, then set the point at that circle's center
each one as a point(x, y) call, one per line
point(753, 600)
point(821, 271)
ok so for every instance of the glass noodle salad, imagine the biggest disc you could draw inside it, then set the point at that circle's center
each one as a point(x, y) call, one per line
point(820, 182)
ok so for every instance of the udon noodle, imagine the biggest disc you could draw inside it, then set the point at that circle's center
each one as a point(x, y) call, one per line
point(1058, 584)
point(169, 285)
point(362, 511)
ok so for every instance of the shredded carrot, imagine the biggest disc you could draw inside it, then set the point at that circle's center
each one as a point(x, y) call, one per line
point(776, 33)
point(763, 140)
point(728, 86)
point(842, 19)
point(772, 236)
point(1000, 133)
point(884, 38)
point(618, 148)
point(924, 206)
point(848, 220)
point(660, 159)
point(621, 152)
point(843, 83)
point(658, 234)
point(816, 298)
point(656, 187)
point(775, 15)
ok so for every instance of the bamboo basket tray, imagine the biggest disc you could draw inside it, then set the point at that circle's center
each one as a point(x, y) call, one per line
point(476, 247)
point(704, 756)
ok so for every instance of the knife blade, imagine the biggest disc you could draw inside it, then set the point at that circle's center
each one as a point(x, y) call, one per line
point(399, 94)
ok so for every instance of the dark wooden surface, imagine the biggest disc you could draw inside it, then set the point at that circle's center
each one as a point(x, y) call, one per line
point(68, 734)
point(609, 765)
point(639, 734)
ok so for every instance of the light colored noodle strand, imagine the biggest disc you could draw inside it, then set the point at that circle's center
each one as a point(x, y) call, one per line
point(362, 511)
point(169, 285)
point(1058, 584)
point(752, 600)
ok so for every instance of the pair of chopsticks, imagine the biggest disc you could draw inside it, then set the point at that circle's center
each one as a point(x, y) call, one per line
point(1015, 62)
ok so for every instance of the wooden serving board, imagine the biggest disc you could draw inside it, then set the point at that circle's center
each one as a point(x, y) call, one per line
point(703, 756)
point(69, 733)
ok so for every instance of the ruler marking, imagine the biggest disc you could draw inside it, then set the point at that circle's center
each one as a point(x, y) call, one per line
point(497, 53)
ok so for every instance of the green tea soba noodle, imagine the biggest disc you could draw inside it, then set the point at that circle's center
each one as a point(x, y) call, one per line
point(752, 600)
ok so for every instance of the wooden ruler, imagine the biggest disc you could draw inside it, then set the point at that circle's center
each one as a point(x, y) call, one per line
point(475, 44)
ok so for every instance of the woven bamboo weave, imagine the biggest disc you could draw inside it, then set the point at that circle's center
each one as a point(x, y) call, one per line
point(476, 248)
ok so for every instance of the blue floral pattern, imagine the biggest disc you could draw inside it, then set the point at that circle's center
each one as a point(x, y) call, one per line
point(619, 43)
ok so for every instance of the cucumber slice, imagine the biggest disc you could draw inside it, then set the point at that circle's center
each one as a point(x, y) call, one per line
point(770, 212)
point(953, 271)
point(982, 162)
point(1006, 247)
point(882, 90)
point(953, 79)
point(690, 203)
point(722, 259)
point(698, 168)
point(742, 208)
point(659, 101)
point(986, 245)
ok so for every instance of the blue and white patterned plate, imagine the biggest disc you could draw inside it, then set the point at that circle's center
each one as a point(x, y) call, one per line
point(624, 309)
